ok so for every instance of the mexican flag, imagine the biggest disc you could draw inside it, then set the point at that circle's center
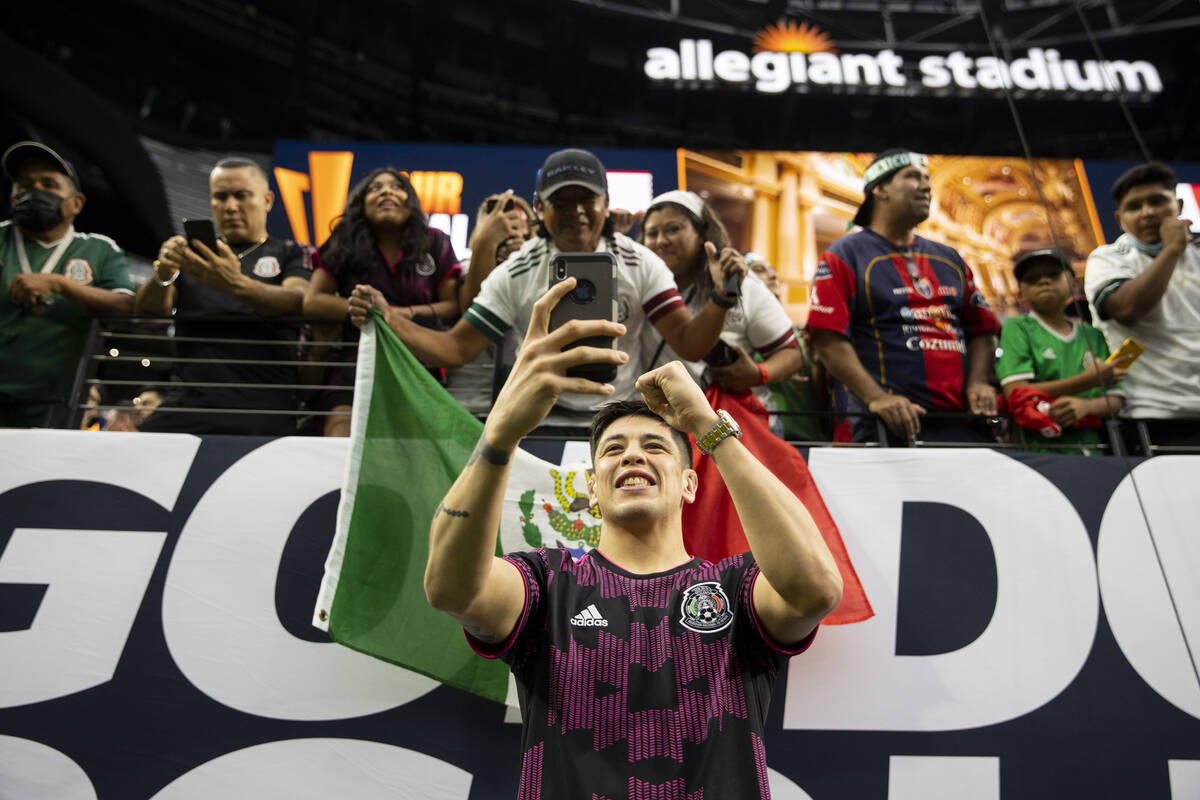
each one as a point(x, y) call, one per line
point(408, 442)
point(409, 439)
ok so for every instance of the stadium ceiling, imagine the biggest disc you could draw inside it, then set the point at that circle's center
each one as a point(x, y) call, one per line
point(923, 25)
point(222, 74)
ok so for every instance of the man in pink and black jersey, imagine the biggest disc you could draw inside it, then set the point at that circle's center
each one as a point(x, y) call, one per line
point(641, 670)
point(898, 320)
point(572, 204)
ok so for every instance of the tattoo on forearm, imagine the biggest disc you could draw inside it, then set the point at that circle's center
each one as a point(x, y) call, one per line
point(453, 512)
point(492, 455)
point(478, 633)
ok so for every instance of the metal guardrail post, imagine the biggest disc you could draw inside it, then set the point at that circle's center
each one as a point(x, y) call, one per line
point(86, 369)
point(1143, 434)
point(1116, 438)
point(881, 432)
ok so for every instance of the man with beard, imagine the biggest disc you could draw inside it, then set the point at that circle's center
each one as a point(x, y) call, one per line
point(897, 318)
point(54, 277)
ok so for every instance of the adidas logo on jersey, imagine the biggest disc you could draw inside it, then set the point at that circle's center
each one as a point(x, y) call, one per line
point(589, 618)
point(1049, 353)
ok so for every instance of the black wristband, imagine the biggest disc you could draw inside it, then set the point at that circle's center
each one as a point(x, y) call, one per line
point(492, 455)
point(719, 301)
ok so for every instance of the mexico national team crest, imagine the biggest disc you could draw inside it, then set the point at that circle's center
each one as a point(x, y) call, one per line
point(426, 266)
point(622, 309)
point(79, 270)
point(267, 267)
point(705, 608)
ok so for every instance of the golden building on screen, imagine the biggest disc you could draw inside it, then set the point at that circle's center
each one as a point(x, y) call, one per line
point(789, 206)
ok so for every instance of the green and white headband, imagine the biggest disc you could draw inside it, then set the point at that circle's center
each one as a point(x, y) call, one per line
point(886, 165)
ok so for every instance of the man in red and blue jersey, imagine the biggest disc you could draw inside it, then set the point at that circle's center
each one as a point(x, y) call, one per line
point(642, 671)
point(898, 320)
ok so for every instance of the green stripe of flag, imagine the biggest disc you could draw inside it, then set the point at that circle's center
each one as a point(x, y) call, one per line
point(409, 441)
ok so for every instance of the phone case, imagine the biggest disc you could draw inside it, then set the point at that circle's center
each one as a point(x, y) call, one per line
point(1130, 349)
point(202, 229)
point(594, 297)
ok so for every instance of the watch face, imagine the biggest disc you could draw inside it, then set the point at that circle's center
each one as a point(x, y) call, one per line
point(734, 428)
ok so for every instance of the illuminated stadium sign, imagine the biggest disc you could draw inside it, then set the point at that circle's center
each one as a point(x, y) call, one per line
point(790, 56)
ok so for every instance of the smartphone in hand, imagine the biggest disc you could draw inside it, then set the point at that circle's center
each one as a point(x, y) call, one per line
point(1128, 352)
point(594, 297)
point(203, 230)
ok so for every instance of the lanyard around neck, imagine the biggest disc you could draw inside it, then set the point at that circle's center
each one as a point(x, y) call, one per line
point(54, 257)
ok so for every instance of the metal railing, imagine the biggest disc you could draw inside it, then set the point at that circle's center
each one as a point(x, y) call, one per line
point(120, 345)
point(125, 353)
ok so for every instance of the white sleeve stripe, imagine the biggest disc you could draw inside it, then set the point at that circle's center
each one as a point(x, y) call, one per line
point(103, 238)
point(1020, 376)
point(650, 312)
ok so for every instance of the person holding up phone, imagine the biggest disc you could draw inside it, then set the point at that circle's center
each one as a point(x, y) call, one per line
point(683, 231)
point(729, 626)
point(503, 223)
point(230, 292)
point(572, 204)
point(1146, 286)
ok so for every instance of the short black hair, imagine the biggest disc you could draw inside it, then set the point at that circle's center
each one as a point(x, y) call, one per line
point(619, 409)
point(241, 162)
point(1150, 172)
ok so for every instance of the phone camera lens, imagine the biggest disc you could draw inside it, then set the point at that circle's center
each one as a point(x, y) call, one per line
point(585, 292)
point(561, 271)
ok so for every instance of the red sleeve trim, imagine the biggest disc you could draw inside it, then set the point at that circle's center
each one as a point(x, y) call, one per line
point(832, 291)
point(662, 304)
point(985, 322)
point(783, 342)
point(454, 272)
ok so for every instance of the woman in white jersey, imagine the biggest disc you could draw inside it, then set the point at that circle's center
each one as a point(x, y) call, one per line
point(676, 228)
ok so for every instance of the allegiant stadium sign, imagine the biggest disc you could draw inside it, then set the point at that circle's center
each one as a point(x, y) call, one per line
point(694, 62)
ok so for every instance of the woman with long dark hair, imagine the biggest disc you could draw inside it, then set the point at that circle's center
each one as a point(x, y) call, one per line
point(679, 227)
point(382, 240)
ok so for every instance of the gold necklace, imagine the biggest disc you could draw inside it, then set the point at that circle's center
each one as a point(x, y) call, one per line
point(250, 249)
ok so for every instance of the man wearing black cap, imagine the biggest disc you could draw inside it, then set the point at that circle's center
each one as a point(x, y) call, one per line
point(53, 278)
point(897, 318)
point(572, 203)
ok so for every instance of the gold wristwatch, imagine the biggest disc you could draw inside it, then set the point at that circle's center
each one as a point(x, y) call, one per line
point(726, 426)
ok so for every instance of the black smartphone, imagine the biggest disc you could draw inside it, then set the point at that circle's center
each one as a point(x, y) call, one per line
point(722, 355)
point(490, 205)
point(203, 230)
point(594, 297)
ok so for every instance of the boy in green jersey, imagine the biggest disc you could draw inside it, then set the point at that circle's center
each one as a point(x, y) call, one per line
point(1049, 353)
